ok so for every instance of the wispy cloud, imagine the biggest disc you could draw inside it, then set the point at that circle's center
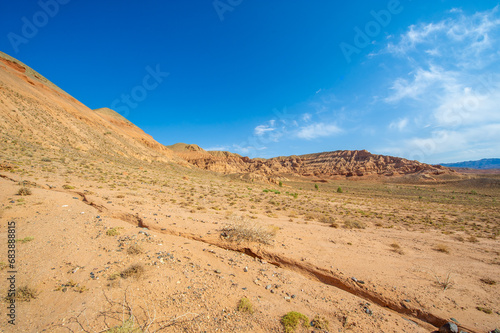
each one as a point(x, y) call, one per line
point(399, 124)
point(420, 81)
point(318, 130)
point(263, 129)
point(449, 36)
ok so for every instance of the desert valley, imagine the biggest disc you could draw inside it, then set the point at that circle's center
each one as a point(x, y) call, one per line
point(115, 232)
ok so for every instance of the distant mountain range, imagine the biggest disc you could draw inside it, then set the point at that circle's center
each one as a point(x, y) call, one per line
point(485, 163)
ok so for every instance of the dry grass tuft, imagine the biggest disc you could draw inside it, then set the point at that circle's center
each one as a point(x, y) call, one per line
point(243, 229)
point(445, 284)
point(134, 249)
point(397, 248)
point(442, 248)
point(23, 294)
point(320, 323)
point(354, 225)
point(133, 271)
point(23, 191)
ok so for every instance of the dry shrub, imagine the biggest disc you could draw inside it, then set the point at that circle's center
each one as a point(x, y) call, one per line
point(354, 225)
point(245, 305)
point(442, 248)
point(134, 249)
point(133, 271)
point(24, 191)
point(397, 248)
point(320, 323)
point(24, 294)
point(242, 229)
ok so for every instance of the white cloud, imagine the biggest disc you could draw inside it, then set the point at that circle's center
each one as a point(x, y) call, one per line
point(399, 124)
point(218, 148)
point(461, 38)
point(421, 81)
point(317, 130)
point(441, 146)
point(262, 129)
point(306, 117)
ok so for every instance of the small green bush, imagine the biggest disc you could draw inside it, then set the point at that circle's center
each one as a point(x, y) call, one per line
point(339, 190)
point(128, 326)
point(112, 232)
point(291, 321)
point(25, 239)
point(68, 187)
point(245, 305)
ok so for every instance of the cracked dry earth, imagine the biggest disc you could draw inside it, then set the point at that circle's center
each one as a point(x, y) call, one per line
point(193, 279)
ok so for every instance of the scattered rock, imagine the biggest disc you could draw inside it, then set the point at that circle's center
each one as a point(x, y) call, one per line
point(245, 269)
point(218, 271)
point(449, 327)
point(268, 287)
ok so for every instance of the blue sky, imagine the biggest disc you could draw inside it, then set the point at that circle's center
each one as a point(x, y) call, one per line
point(417, 79)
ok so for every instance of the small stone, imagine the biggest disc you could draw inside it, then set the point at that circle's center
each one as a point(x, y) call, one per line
point(287, 298)
point(64, 289)
point(245, 269)
point(368, 311)
point(293, 296)
point(268, 287)
point(218, 271)
point(449, 327)
point(496, 330)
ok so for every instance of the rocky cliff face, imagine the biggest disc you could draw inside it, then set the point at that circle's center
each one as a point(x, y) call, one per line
point(356, 163)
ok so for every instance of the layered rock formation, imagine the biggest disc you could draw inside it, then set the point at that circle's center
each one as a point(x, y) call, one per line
point(321, 165)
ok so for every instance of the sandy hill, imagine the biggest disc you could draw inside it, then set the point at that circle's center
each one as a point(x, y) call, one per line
point(35, 113)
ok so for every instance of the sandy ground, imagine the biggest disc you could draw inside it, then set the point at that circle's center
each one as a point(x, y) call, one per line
point(193, 279)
